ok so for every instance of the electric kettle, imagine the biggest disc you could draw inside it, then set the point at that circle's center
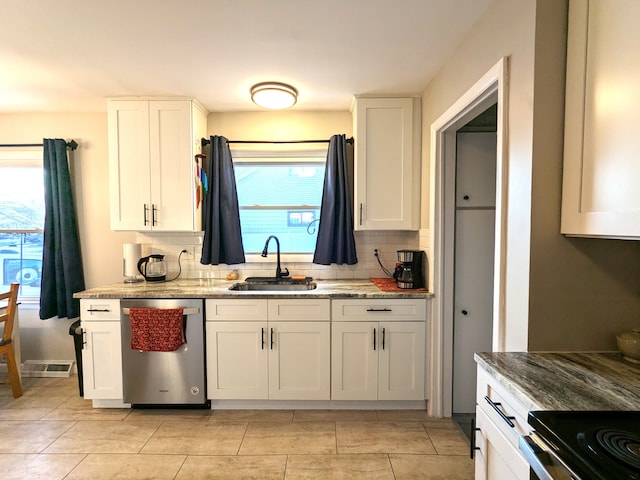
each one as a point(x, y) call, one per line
point(153, 268)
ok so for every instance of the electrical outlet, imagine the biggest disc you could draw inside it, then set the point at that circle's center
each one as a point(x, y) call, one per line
point(187, 252)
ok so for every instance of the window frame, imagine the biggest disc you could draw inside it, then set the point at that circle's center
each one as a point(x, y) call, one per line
point(21, 156)
point(300, 153)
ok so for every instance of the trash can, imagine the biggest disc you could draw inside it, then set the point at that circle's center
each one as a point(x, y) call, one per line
point(76, 332)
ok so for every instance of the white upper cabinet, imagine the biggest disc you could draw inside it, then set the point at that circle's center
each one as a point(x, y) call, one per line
point(387, 163)
point(152, 144)
point(600, 195)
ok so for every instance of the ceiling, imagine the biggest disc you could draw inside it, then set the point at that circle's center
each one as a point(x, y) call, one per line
point(69, 55)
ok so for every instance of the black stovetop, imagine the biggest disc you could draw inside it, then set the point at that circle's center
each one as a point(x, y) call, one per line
point(594, 444)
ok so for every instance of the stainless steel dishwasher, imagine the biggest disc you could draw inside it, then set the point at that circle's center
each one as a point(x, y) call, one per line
point(165, 378)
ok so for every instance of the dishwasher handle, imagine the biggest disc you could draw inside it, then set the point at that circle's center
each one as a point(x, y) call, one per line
point(186, 311)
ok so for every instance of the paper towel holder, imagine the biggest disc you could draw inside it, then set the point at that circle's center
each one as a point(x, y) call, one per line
point(130, 257)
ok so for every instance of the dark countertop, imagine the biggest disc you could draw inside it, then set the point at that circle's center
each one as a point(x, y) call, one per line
point(210, 288)
point(567, 381)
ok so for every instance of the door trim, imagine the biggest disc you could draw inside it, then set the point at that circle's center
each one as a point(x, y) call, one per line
point(491, 88)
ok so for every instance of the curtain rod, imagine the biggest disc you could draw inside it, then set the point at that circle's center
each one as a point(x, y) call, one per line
point(72, 144)
point(206, 141)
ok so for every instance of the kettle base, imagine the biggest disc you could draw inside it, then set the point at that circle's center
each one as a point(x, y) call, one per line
point(160, 278)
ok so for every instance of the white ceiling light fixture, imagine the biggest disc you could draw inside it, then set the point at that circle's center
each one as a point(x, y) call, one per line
point(274, 95)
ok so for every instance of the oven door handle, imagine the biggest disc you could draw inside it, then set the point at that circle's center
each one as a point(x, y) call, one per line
point(540, 460)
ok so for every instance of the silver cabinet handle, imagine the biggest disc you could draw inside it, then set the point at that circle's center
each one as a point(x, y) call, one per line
point(496, 406)
point(144, 214)
point(385, 309)
point(383, 335)
point(361, 214)
point(472, 443)
point(154, 210)
point(262, 337)
point(185, 311)
point(271, 339)
point(374, 339)
point(98, 310)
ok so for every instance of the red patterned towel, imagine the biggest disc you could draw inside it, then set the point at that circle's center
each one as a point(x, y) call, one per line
point(157, 329)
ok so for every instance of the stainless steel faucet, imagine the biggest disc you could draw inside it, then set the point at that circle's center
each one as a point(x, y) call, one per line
point(279, 272)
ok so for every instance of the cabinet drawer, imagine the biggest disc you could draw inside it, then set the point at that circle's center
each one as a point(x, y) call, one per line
point(99, 309)
point(310, 309)
point(232, 309)
point(379, 309)
point(493, 398)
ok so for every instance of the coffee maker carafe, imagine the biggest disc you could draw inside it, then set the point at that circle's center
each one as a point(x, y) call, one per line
point(409, 272)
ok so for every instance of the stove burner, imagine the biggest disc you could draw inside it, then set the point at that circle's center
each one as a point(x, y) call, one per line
point(625, 446)
point(611, 445)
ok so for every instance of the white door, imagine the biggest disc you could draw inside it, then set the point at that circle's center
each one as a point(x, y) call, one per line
point(299, 360)
point(354, 361)
point(474, 256)
point(237, 355)
point(102, 360)
point(401, 360)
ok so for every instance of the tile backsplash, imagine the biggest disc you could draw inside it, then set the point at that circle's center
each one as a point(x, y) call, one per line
point(387, 243)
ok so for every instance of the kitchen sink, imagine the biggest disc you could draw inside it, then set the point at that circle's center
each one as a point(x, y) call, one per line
point(274, 284)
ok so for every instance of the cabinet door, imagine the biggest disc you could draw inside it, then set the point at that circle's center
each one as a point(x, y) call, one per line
point(386, 164)
point(237, 354)
point(171, 165)
point(102, 360)
point(497, 458)
point(401, 355)
point(476, 169)
point(354, 361)
point(129, 171)
point(600, 195)
point(299, 360)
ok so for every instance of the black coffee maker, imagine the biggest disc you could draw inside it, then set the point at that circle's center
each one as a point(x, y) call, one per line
point(411, 269)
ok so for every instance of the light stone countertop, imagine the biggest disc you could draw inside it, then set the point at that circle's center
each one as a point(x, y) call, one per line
point(567, 381)
point(210, 288)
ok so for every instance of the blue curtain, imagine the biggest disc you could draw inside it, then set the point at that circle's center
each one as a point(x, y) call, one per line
point(222, 234)
point(62, 273)
point(336, 243)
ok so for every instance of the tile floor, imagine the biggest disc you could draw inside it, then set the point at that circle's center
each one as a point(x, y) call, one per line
point(52, 433)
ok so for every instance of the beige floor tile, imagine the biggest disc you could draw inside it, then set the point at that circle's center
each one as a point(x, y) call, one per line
point(24, 413)
point(265, 467)
point(348, 467)
point(251, 415)
point(289, 437)
point(432, 467)
point(335, 415)
point(77, 408)
point(27, 401)
point(448, 441)
point(445, 423)
point(402, 415)
point(104, 436)
point(383, 437)
point(30, 437)
point(192, 438)
point(102, 466)
point(37, 467)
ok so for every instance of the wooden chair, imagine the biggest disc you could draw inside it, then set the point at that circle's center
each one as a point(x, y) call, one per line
point(7, 315)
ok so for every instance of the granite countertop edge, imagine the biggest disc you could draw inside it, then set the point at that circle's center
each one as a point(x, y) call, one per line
point(216, 288)
point(566, 380)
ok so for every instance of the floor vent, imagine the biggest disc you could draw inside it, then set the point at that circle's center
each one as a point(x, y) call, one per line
point(47, 368)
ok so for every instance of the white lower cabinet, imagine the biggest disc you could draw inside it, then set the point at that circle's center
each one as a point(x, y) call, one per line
point(378, 359)
point(497, 456)
point(268, 349)
point(102, 349)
